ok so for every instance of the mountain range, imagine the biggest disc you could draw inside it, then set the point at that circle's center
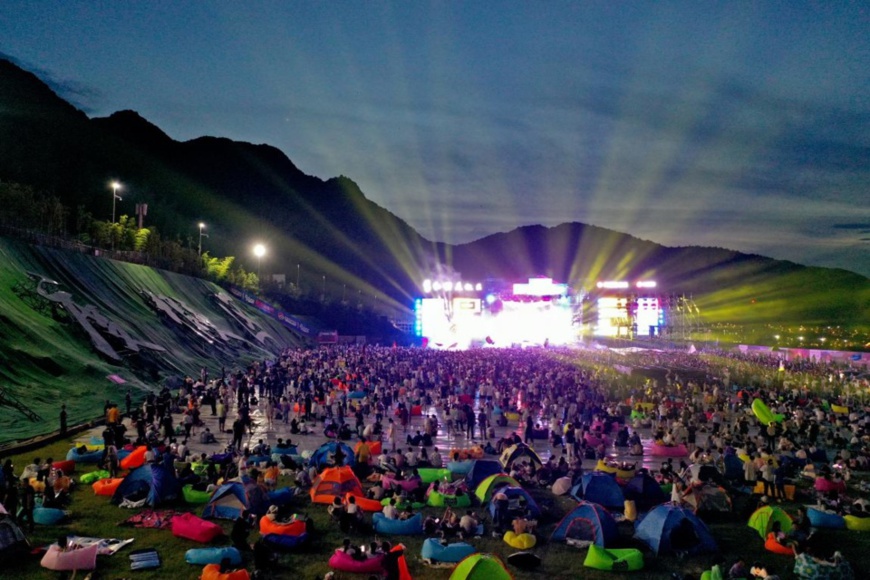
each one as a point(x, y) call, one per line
point(336, 240)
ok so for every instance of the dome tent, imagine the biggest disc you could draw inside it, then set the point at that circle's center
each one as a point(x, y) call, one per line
point(520, 452)
point(519, 502)
point(481, 567)
point(488, 486)
point(588, 522)
point(480, 470)
point(155, 483)
point(644, 491)
point(600, 488)
point(13, 542)
point(228, 500)
point(323, 454)
point(335, 482)
point(762, 520)
point(670, 528)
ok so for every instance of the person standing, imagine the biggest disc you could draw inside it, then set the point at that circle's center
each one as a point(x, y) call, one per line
point(222, 415)
point(63, 419)
point(570, 442)
point(483, 424)
point(238, 433)
point(128, 402)
point(28, 504)
point(769, 478)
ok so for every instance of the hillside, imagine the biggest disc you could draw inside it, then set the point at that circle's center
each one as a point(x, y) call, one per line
point(728, 286)
point(47, 358)
point(340, 243)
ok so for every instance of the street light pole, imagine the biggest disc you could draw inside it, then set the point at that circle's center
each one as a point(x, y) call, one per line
point(259, 251)
point(201, 235)
point(115, 197)
point(297, 276)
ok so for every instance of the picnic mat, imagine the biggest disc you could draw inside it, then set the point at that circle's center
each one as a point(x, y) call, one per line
point(160, 519)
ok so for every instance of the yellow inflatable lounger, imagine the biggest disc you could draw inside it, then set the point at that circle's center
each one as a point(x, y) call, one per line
point(519, 541)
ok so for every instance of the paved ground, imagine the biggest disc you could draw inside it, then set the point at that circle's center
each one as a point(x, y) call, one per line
point(444, 440)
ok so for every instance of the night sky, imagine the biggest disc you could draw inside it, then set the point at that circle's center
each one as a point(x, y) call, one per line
point(743, 125)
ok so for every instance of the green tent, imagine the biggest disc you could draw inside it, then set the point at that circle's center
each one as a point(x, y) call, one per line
point(481, 567)
point(762, 520)
point(486, 488)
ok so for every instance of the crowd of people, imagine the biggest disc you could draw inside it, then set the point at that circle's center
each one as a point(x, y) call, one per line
point(570, 404)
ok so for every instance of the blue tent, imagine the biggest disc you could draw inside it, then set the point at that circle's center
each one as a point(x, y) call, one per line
point(733, 467)
point(154, 482)
point(480, 470)
point(320, 458)
point(588, 522)
point(669, 528)
point(644, 491)
point(519, 502)
point(228, 501)
point(601, 488)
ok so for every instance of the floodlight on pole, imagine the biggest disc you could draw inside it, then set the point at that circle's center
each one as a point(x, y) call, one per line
point(201, 236)
point(115, 197)
point(259, 251)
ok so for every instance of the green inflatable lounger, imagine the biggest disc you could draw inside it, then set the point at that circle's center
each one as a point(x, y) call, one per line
point(433, 474)
point(622, 560)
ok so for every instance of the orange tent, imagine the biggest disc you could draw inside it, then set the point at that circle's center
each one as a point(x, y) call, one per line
point(335, 482)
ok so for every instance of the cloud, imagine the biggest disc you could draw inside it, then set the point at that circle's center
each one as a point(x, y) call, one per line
point(82, 96)
point(853, 226)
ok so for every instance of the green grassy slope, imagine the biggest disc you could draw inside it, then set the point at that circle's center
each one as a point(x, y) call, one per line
point(44, 361)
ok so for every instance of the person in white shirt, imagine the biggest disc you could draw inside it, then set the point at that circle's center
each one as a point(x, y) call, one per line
point(435, 459)
point(390, 512)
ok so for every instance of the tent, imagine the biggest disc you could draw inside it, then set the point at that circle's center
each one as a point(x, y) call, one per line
point(520, 452)
point(481, 567)
point(707, 498)
point(600, 488)
point(13, 542)
point(706, 472)
point(588, 522)
point(519, 502)
point(322, 455)
point(762, 520)
point(644, 491)
point(335, 482)
point(670, 528)
point(154, 482)
point(228, 500)
point(486, 488)
point(561, 486)
point(733, 467)
point(480, 470)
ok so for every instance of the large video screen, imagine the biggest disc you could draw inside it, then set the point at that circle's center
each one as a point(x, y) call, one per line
point(463, 323)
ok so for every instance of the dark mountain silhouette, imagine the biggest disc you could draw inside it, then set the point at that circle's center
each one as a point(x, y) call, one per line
point(247, 192)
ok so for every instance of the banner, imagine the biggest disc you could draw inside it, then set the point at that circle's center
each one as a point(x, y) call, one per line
point(286, 319)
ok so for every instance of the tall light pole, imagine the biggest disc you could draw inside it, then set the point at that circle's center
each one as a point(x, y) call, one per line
point(297, 276)
point(259, 251)
point(115, 197)
point(201, 235)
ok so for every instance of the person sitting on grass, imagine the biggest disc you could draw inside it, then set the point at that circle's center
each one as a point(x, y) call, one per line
point(468, 525)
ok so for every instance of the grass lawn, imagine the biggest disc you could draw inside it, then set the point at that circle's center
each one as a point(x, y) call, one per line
point(95, 516)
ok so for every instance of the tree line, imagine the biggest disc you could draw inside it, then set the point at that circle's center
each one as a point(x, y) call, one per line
point(25, 208)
